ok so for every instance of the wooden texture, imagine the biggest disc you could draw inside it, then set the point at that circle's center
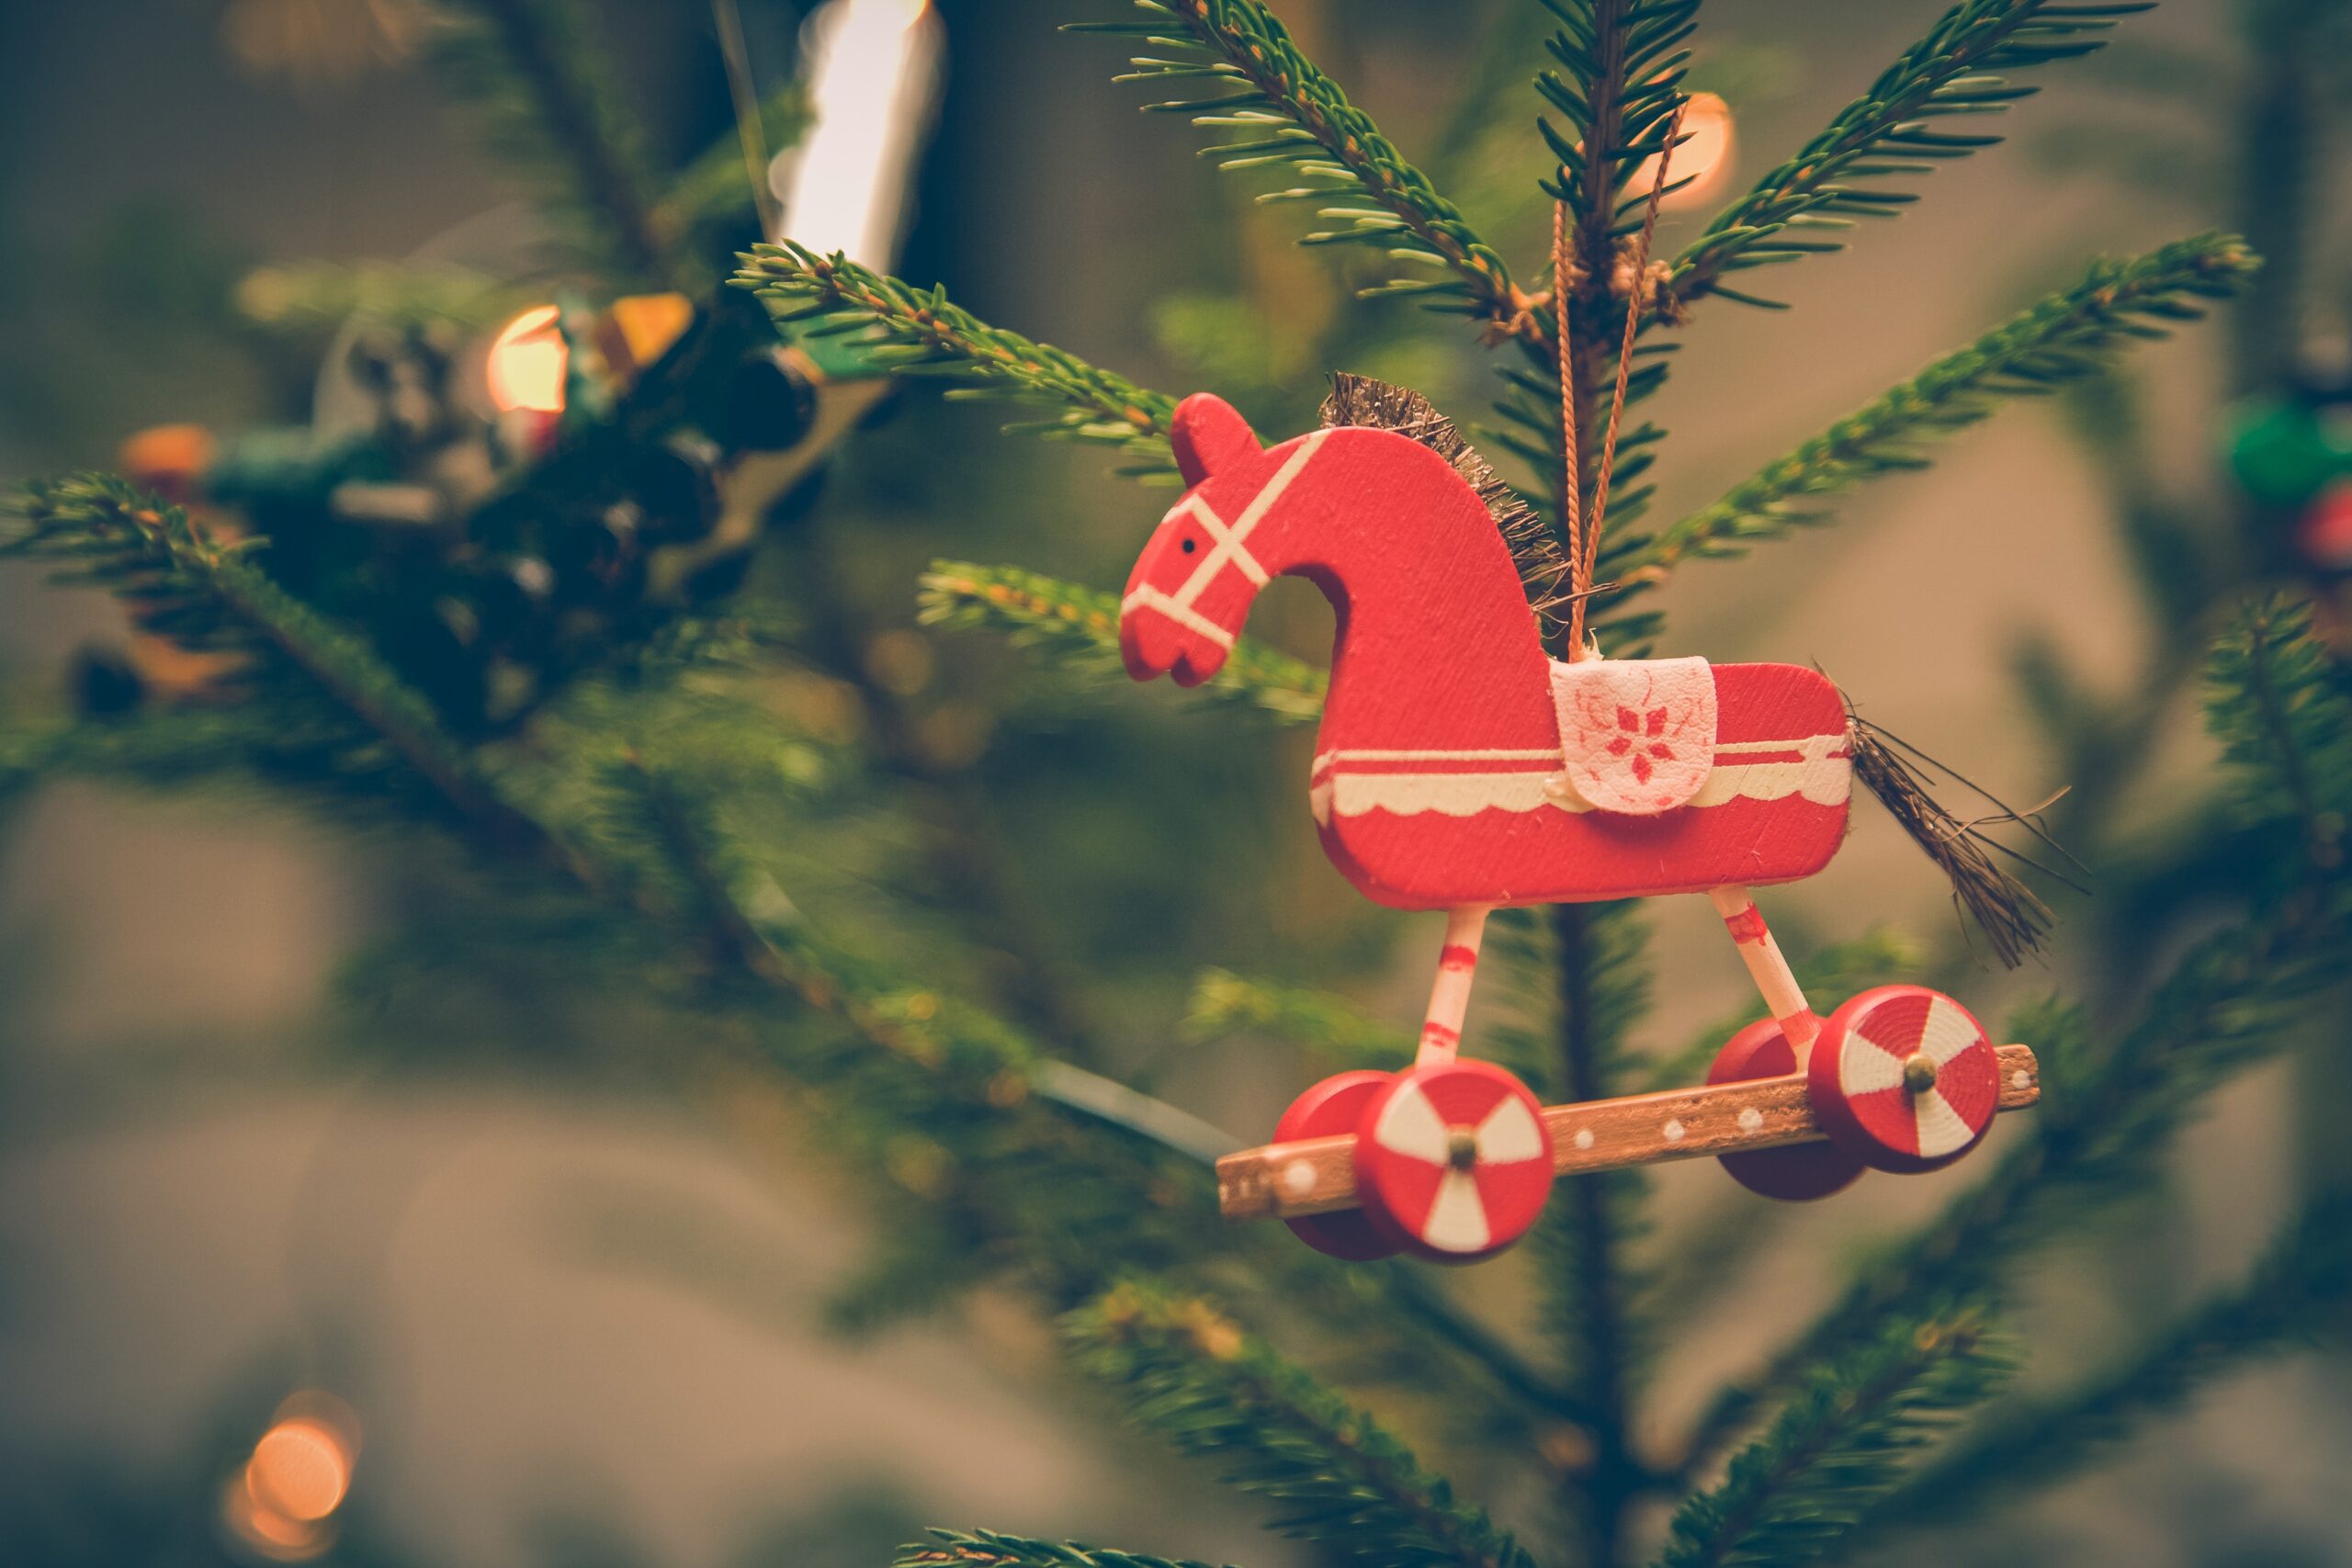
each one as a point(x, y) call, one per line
point(1440, 730)
point(1317, 1175)
point(1798, 1173)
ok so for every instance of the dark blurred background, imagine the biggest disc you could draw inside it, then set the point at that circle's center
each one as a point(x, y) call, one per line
point(583, 1321)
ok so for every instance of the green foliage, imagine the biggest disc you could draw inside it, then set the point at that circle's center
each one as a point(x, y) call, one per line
point(2285, 722)
point(1890, 132)
point(2066, 336)
point(542, 100)
point(1080, 626)
point(201, 592)
point(1225, 1003)
point(1190, 1374)
point(2298, 1284)
point(1289, 116)
point(1840, 1442)
point(1620, 65)
point(987, 1549)
point(908, 331)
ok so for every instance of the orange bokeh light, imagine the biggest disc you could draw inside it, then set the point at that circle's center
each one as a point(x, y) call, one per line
point(1703, 156)
point(528, 361)
point(300, 1471)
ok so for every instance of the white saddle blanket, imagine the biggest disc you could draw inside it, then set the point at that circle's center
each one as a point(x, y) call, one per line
point(1638, 734)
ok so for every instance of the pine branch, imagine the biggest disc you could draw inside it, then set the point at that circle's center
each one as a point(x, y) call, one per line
point(1841, 1444)
point(1623, 63)
point(1225, 1003)
point(2293, 1293)
point(544, 101)
point(2284, 722)
point(714, 188)
point(1601, 989)
point(1890, 133)
point(2107, 1117)
point(986, 1549)
point(910, 331)
point(1080, 626)
point(1288, 115)
point(2067, 335)
point(1194, 1377)
point(204, 595)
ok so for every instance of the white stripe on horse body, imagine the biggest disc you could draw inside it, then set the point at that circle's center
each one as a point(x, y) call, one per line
point(1228, 545)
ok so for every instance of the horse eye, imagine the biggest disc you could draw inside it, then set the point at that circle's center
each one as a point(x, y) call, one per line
point(1190, 546)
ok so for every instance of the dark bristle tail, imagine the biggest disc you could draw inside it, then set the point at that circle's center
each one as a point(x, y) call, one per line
point(2013, 920)
point(1543, 566)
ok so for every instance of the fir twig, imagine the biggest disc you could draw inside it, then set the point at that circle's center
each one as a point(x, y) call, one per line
point(543, 100)
point(987, 1549)
point(1195, 1378)
point(1287, 114)
point(203, 593)
point(2290, 1293)
point(1841, 1444)
point(913, 331)
point(2064, 337)
point(1890, 132)
point(1080, 626)
point(1225, 1003)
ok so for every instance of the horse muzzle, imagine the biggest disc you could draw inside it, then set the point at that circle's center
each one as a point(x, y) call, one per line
point(1153, 642)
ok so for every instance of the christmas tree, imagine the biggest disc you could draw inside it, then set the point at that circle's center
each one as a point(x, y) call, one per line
point(658, 743)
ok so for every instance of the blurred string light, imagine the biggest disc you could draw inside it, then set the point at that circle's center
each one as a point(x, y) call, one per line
point(873, 68)
point(528, 360)
point(1702, 160)
point(280, 1506)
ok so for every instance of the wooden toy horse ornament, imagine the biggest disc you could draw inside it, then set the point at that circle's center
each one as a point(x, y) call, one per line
point(1458, 768)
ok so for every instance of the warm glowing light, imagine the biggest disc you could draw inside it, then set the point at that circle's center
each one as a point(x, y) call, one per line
point(528, 361)
point(874, 66)
point(1703, 158)
point(299, 1471)
point(281, 1505)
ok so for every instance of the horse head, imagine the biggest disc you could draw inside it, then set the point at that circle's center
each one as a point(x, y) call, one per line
point(1193, 585)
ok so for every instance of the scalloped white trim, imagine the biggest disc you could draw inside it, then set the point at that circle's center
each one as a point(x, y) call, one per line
point(1823, 774)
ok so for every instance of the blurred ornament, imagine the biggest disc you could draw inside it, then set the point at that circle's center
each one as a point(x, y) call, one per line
point(2284, 448)
point(169, 459)
point(1703, 159)
point(2323, 537)
point(637, 329)
point(765, 402)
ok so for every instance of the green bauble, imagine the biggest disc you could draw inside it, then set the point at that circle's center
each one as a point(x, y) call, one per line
point(2285, 450)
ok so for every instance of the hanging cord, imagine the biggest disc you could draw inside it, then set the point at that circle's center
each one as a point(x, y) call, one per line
point(1584, 535)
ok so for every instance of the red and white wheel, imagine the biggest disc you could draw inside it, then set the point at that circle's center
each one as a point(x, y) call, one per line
point(1800, 1172)
point(1453, 1160)
point(1330, 1109)
point(1903, 1078)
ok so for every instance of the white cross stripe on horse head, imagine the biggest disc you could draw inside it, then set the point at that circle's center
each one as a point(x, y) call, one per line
point(1228, 544)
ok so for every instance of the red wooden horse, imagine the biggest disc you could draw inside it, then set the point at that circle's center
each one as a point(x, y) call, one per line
point(1460, 769)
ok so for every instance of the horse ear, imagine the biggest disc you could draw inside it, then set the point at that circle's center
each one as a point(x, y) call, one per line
point(1209, 435)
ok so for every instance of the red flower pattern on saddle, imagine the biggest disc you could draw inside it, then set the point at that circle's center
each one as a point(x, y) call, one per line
point(1637, 735)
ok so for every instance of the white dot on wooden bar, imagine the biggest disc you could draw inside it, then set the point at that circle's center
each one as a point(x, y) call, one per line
point(1584, 1137)
point(1298, 1176)
point(2021, 1079)
point(1673, 1130)
point(1750, 1120)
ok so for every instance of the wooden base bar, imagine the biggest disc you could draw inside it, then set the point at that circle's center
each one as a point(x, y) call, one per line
point(1316, 1175)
